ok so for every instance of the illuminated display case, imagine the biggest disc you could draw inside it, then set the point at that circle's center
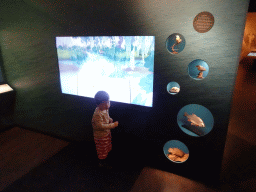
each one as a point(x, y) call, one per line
point(7, 98)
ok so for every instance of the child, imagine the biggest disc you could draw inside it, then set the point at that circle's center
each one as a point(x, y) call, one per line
point(102, 124)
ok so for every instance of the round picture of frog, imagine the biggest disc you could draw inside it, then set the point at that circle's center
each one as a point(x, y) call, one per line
point(176, 151)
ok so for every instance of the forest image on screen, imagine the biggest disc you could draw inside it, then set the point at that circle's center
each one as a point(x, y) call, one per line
point(123, 66)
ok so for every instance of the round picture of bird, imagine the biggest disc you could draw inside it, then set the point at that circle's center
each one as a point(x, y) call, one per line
point(173, 88)
point(195, 120)
point(175, 43)
point(198, 69)
point(176, 151)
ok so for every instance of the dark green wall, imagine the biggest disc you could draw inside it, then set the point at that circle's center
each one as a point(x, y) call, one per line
point(30, 64)
point(28, 30)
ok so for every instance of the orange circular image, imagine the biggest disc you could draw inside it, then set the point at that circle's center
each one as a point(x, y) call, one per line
point(203, 22)
point(176, 151)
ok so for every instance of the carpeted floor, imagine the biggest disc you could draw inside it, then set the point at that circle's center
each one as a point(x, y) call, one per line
point(22, 150)
point(74, 168)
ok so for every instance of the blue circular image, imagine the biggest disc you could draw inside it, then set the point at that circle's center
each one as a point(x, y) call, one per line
point(173, 88)
point(175, 43)
point(176, 151)
point(198, 69)
point(195, 120)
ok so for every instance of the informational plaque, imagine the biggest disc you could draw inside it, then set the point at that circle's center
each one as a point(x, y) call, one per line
point(203, 22)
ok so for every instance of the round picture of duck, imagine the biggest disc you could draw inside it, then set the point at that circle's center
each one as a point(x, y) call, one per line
point(198, 69)
point(175, 43)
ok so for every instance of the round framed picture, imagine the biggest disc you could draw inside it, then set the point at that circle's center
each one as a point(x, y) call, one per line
point(175, 43)
point(203, 22)
point(173, 88)
point(198, 69)
point(195, 120)
point(176, 151)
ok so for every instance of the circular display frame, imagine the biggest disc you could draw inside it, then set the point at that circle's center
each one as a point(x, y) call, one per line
point(173, 88)
point(175, 43)
point(198, 69)
point(195, 120)
point(176, 151)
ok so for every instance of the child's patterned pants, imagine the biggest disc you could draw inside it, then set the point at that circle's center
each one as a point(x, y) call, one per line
point(103, 146)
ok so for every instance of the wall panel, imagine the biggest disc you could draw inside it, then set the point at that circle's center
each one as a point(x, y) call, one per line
point(28, 32)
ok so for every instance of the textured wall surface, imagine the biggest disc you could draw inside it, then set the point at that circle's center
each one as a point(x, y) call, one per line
point(28, 29)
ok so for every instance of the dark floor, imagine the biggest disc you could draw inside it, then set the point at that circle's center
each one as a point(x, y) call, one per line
point(74, 170)
point(239, 170)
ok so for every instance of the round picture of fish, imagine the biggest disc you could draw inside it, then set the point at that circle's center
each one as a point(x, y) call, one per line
point(173, 88)
point(195, 120)
point(176, 151)
point(198, 69)
point(175, 43)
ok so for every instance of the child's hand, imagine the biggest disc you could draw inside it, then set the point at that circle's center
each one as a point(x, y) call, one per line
point(116, 123)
